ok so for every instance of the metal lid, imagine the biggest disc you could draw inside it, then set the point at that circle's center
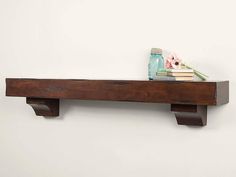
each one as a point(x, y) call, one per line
point(156, 51)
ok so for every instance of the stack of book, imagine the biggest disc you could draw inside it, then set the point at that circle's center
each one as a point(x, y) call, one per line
point(176, 75)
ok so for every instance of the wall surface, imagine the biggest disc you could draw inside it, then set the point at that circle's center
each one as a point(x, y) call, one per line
point(111, 39)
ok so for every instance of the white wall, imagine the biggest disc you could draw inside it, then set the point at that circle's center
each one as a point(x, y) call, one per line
point(111, 39)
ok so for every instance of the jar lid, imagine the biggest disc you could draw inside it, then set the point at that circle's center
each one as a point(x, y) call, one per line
point(156, 51)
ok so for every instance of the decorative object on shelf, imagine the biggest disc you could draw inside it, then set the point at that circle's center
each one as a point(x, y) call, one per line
point(188, 100)
point(156, 62)
point(196, 72)
point(176, 74)
point(172, 61)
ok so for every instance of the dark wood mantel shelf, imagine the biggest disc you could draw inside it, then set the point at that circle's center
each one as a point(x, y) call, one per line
point(188, 100)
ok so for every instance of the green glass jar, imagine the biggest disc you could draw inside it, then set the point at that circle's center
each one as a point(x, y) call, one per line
point(156, 63)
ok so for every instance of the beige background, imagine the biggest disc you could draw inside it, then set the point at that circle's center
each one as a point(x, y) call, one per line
point(111, 39)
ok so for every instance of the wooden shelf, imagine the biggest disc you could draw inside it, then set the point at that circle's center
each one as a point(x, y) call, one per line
point(188, 100)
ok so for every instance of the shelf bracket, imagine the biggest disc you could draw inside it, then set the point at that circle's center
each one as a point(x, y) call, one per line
point(44, 106)
point(190, 114)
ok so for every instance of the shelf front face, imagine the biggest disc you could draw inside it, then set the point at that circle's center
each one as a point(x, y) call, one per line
point(173, 92)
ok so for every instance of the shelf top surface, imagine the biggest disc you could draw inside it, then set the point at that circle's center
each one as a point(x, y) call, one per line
point(118, 80)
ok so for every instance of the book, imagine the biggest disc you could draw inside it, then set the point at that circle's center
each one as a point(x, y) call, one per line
point(180, 74)
point(171, 78)
point(162, 73)
point(180, 70)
